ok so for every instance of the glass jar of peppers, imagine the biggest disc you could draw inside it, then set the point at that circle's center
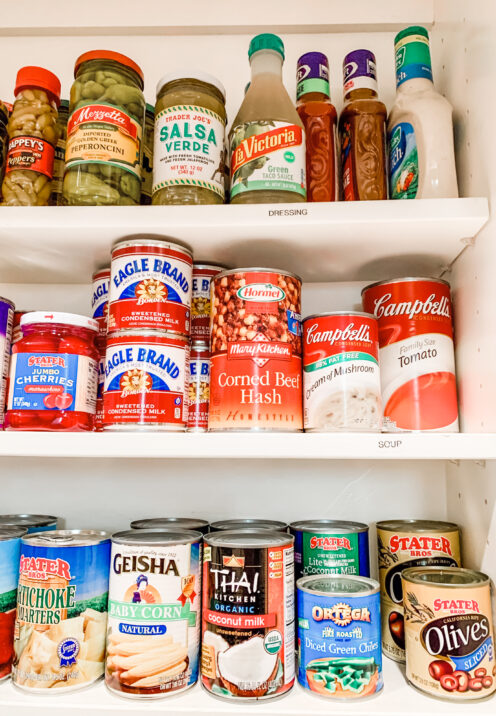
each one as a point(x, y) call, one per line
point(53, 373)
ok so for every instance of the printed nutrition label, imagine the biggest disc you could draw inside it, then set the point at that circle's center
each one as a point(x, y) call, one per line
point(289, 615)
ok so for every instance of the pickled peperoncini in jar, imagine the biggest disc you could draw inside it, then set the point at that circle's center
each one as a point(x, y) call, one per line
point(105, 130)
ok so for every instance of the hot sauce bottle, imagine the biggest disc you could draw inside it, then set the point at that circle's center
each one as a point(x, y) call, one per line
point(362, 130)
point(319, 118)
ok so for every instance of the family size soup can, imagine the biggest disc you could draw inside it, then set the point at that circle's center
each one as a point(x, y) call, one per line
point(248, 523)
point(146, 381)
point(99, 299)
point(330, 547)
point(341, 381)
point(402, 544)
point(449, 633)
point(153, 638)
point(255, 356)
point(150, 286)
point(416, 353)
point(199, 388)
point(61, 618)
point(6, 323)
point(10, 550)
point(32, 523)
point(203, 274)
point(248, 620)
point(339, 636)
point(173, 523)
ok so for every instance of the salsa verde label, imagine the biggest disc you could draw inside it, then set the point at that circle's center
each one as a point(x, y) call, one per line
point(403, 162)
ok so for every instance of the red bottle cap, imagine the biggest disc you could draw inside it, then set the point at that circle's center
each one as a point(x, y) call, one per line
point(38, 77)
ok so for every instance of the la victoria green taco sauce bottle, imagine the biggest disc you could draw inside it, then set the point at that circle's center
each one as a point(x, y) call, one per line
point(267, 139)
point(420, 127)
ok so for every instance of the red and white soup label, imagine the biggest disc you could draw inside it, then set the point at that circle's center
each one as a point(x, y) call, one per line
point(416, 353)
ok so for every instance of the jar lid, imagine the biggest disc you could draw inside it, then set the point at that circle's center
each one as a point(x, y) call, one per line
point(108, 55)
point(31, 76)
point(70, 319)
point(266, 41)
point(191, 74)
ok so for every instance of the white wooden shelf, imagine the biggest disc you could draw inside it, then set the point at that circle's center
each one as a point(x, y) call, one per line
point(263, 445)
point(345, 241)
point(397, 698)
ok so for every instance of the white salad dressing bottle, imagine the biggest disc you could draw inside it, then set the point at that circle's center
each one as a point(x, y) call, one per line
point(420, 126)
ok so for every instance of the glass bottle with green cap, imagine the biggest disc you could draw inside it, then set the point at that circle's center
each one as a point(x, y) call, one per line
point(420, 126)
point(267, 139)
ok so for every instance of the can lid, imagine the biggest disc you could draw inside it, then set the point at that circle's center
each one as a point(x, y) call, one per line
point(191, 74)
point(337, 585)
point(69, 319)
point(407, 279)
point(108, 55)
point(329, 526)
point(200, 346)
point(249, 523)
point(157, 536)
point(13, 532)
point(206, 265)
point(32, 76)
point(7, 300)
point(257, 269)
point(251, 538)
point(156, 335)
point(178, 523)
point(28, 520)
point(445, 576)
point(361, 314)
point(101, 273)
point(164, 243)
point(417, 526)
point(67, 538)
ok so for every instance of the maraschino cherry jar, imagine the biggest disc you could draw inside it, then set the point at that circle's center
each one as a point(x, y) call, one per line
point(53, 373)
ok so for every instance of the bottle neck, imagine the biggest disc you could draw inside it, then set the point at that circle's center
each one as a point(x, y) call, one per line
point(415, 84)
point(265, 61)
point(314, 97)
point(360, 93)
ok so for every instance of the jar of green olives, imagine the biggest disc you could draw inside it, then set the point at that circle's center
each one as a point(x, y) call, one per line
point(189, 146)
point(105, 131)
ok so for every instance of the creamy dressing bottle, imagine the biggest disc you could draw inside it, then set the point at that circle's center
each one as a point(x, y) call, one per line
point(420, 127)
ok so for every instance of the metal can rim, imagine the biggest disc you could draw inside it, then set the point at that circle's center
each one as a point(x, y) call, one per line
point(35, 520)
point(269, 538)
point(362, 314)
point(373, 585)
point(413, 575)
point(206, 265)
point(161, 537)
point(407, 279)
point(101, 273)
point(147, 333)
point(258, 269)
point(200, 346)
point(8, 301)
point(172, 521)
point(246, 523)
point(437, 526)
point(9, 532)
point(301, 525)
point(55, 538)
point(165, 244)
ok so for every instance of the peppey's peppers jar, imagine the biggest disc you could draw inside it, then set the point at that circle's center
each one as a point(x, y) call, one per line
point(53, 373)
point(189, 144)
point(105, 130)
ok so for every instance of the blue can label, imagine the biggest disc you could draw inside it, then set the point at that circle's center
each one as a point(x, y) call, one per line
point(339, 644)
point(61, 615)
point(9, 573)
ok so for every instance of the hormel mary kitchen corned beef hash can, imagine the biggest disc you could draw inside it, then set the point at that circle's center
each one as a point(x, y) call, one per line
point(150, 286)
point(99, 299)
point(341, 381)
point(248, 620)
point(416, 353)
point(255, 357)
point(200, 300)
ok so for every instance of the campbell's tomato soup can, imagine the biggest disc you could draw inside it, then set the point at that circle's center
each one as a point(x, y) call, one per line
point(255, 360)
point(200, 300)
point(449, 633)
point(341, 381)
point(150, 286)
point(199, 387)
point(416, 353)
point(99, 299)
point(146, 381)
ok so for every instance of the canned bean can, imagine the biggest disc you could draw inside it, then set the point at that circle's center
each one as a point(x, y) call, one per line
point(99, 300)
point(199, 388)
point(32, 523)
point(341, 381)
point(146, 381)
point(150, 286)
point(402, 544)
point(248, 621)
point(249, 523)
point(416, 353)
point(449, 633)
point(200, 301)
point(6, 323)
point(61, 618)
point(339, 636)
point(10, 550)
point(255, 358)
point(173, 523)
point(330, 547)
point(153, 638)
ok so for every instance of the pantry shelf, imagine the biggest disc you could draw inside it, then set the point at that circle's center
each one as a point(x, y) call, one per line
point(345, 241)
point(277, 446)
point(397, 698)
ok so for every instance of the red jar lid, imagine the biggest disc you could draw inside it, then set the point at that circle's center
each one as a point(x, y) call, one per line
point(108, 55)
point(69, 319)
point(38, 77)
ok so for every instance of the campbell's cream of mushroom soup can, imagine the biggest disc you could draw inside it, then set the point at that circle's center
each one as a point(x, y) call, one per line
point(153, 636)
point(341, 381)
point(416, 353)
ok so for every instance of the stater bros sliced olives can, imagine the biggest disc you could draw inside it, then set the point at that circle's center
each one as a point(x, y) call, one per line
point(402, 544)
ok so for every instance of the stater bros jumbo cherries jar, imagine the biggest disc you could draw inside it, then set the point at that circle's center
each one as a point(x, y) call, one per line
point(53, 373)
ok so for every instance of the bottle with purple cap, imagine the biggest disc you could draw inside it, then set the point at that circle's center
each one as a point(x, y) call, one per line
point(362, 130)
point(319, 118)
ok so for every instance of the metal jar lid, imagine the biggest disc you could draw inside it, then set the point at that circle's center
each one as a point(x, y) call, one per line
point(329, 526)
point(28, 520)
point(248, 523)
point(191, 74)
point(407, 279)
point(8, 533)
point(451, 577)
point(157, 537)
point(337, 585)
point(257, 269)
point(417, 526)
point(66, 538)
point(178, 523)
point(206, 265)
point(164, 243)
point(360, 314)
point(248, 539)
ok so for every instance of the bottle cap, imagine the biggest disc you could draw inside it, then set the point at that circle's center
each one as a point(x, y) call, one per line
point(312, 74)
point(412, 30)
point(69, 319)
point(108, 55)
point(412, 54)
point(359, 71)
point(38, 77)
point(266, 41)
